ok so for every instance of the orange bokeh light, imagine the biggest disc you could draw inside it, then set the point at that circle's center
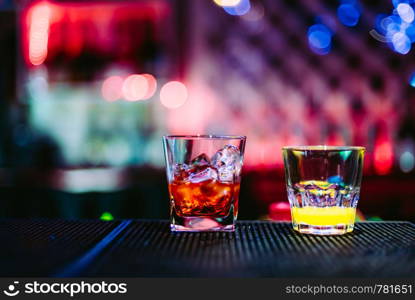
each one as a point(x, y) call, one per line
point(173, 94)
point(112, 88)
point(152, 85)
point(227, 2)
point(135, 87)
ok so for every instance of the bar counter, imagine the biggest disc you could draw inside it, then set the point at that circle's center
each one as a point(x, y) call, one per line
point(147, 248)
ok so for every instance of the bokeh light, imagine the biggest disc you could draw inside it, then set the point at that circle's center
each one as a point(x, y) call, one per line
point(240, 9)
point(135, 87)
point(152, 86)
point(173, 94)
point(227, 2)
point(397, 29)
point(39, 18)
point(395, 3)
point(112, 88)
point(406, 12)
point(383, 157)
point(279, 211)
point(319, 39)
point(412, 80)
point(401, 43)
point(407, 162)
point(348, 14)
point(391, 25)
point(380, 23)
point(410, 32)
point(37, 85)
point(106, 216)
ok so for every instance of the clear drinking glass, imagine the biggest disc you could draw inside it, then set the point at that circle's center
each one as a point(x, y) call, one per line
point(204, 175)
point(323, 186)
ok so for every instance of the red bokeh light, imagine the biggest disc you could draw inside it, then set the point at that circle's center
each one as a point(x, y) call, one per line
point(335, 139)
point(135, 87)
point(383, 157)
point(280, 211)
point(112, 88)
point(52, 29)
point(173, 94)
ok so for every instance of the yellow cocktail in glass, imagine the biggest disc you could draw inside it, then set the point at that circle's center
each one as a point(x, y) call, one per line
point(323, 186)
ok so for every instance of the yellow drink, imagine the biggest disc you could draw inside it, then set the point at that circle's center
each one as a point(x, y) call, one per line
point(323, 216)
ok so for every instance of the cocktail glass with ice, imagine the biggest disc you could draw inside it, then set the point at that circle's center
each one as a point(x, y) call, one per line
point(204, 175)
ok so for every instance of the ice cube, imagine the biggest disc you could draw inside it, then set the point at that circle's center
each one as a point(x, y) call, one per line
point(201, 160)
point(177, 168)
point(228, 162)
point(180, 172)
point(202, 173)
point(201, 169)
point(198, 170)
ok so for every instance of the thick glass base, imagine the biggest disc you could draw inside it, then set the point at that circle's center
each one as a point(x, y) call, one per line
point(202, 223)
point(324, 230)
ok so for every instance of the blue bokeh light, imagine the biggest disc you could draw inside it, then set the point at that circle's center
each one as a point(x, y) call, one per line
point(410, 32)
point(388, 24)
point(240, 9)
point(407, 161)
point(379, 21)
point(319, 39)
point(405, 12)
point(391, 20)
point(397, 2)
point(401, 43)
point(392, 29)
point(398, 28)
point(412, 80)
point(348, 14)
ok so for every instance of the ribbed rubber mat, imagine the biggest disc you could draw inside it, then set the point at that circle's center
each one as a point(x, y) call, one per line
point(256, 249)
point(261, 249)
point(38, 247)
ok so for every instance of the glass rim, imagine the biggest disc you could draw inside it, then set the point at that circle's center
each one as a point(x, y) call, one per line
point(205, 136)
point(324, 148)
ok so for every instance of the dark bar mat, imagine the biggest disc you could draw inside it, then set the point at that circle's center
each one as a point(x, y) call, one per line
point(141, 248)
point(38, 247)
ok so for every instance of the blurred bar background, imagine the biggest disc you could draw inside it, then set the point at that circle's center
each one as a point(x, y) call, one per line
point(88, 88)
